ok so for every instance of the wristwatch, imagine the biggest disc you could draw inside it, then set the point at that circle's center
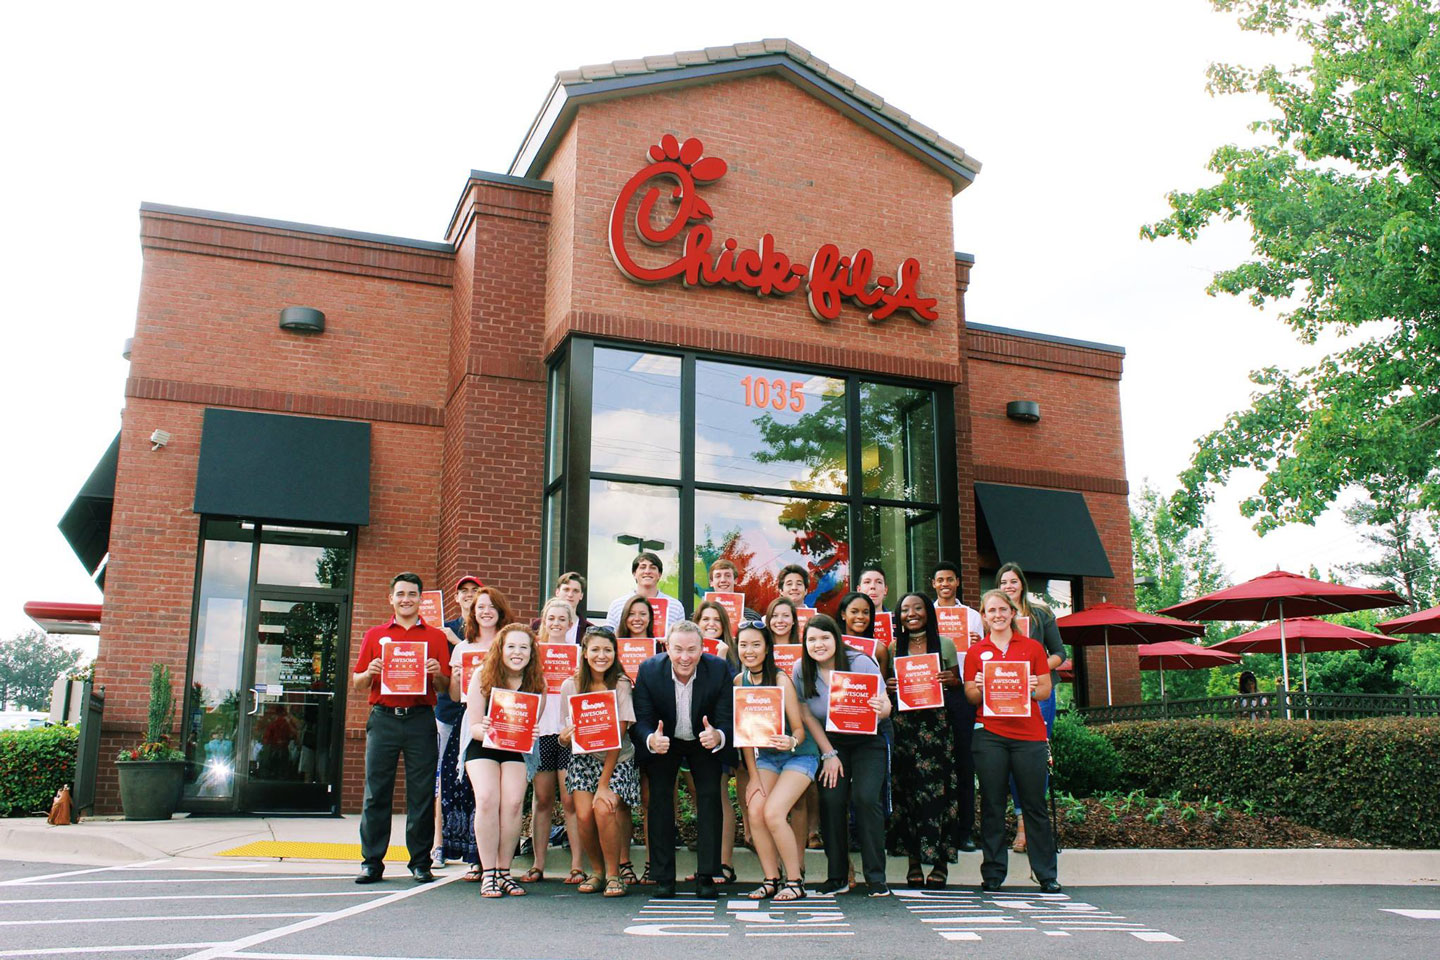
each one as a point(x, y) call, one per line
point(829, 754)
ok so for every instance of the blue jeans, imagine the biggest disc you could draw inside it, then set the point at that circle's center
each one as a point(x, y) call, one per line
point(1047, 710)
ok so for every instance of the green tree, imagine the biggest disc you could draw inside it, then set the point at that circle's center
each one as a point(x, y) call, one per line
point(1343, 202)
point(29, 664)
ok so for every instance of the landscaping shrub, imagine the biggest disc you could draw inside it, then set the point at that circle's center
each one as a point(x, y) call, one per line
point(34, 765)
point(1376, 780)
point(1085, 762)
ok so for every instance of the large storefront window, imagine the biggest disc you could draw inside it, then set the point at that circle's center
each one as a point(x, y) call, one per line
point(264, 701)
point(696, 458)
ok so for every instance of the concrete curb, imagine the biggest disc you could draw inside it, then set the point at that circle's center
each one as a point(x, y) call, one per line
point(197, 841)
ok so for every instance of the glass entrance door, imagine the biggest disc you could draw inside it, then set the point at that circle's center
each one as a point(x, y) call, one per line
point(291, 726)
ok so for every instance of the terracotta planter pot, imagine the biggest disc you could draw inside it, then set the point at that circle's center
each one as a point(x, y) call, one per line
point(150, 789)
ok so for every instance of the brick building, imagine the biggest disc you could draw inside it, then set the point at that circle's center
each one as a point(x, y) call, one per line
point(510, 402)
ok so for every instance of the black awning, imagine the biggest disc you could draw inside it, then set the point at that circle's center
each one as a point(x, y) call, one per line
point(272, 467)
point(86, 523)
point(1045, 531)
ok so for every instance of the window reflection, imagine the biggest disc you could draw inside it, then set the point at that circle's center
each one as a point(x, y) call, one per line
point(763, 427)
point(635, 414)
point(284, 562)
point(897, 442)
point(905, 542)
point(219, 642)
point(761, 534)
point(643, 515)
point(559, 401)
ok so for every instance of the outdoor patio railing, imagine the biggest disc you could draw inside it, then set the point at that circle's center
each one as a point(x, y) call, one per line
point(1314, 706)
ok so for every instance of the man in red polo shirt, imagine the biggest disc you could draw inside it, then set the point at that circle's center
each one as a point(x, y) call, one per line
point(400, 723)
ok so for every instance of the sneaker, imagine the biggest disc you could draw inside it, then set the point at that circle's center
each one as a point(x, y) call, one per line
point(879, 890)
point(437, 858)
point(836, 887)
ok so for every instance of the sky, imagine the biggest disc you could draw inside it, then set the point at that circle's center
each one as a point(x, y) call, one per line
point(370, 117)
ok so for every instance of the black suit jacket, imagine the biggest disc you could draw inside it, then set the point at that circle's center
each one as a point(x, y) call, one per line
point(711, 698)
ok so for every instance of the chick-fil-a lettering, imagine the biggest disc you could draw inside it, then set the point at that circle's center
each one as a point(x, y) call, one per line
point(829, 278)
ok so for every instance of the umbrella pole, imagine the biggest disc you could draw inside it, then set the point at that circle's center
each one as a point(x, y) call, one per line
point(1109, 695)
point(1162, 683)
point(1284, 660)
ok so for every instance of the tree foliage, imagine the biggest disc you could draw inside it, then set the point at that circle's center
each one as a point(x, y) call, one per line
point(29, 664)
point(1343, 201)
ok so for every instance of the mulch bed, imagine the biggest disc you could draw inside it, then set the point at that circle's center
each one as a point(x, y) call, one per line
point(1111, 826)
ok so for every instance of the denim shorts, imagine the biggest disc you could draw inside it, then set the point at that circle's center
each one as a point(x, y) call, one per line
point(779, 761)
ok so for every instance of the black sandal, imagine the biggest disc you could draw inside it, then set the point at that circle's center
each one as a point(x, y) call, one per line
point(727, 874)
point(767, 889)
point(795, 889)
point(627, 873)
point(508, 886)
point(939, 875)
point(646, 881)
point(916, 876)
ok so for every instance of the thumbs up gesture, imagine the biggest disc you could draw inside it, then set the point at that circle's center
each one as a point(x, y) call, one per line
point(709, 736)
point(659, 743)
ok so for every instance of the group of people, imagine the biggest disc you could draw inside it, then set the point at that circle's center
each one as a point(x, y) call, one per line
point(907, 789)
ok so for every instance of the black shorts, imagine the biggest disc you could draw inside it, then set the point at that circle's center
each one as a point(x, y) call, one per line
point(478, 751)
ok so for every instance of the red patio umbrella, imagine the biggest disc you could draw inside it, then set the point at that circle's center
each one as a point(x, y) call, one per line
point(1426, 621)
point(1180, 655)
point(1269, 596)
point(1312, 636)
point(1066, 671)
point(1107, 623)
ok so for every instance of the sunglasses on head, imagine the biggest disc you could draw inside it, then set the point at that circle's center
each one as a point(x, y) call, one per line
point(751, 625)
point(600, 632)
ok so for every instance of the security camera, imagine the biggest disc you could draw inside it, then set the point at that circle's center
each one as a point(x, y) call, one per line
point(159, 439)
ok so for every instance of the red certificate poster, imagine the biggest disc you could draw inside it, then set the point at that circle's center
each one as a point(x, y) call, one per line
point(660, 607)
point(470, 661)
point(954, 622)
point(849, 709)
point(861, 645)
point(1022, 626)
point(513, 715)
point(558, 661)
point(711, 645)
point(1006, 688)
point(402, 668)
point(595, 718)
point(917, 682)
point(632, 653)
point(432, 607)
point(802, 617)
point(884, 628)
point(734, 604)
point(786, 656)
point(759, 715)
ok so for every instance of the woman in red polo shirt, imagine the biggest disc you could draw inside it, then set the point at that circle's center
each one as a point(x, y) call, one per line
point(1010, 741)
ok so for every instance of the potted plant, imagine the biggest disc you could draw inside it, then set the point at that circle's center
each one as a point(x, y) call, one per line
point(153, 772)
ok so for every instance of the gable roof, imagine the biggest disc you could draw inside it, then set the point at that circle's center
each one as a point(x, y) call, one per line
point(690, 67)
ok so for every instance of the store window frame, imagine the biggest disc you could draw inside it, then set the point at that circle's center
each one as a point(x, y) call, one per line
point(344, 595)
point(1079, 692)
point(572, 366)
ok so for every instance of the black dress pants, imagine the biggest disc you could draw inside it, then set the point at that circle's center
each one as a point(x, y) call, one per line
point(662, 770)
point(387, 738)
point(997, 759)
point(864, 759)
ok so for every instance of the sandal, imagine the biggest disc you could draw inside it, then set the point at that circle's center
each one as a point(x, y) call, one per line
point(533, 875)
point(645, 881)
point(590, 884)
point(916, 876)
point(615, 887)
point(627, 872)
point(727, 874)
point(508, 886)
point(767, 889)
point(490, 885)
point(474, 874)
point(576, 876)
point(939, 874)
point(792, 890)
point(814, 842)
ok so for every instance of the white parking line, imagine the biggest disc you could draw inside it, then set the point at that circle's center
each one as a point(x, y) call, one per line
point(82, 883)
point(172, 918)
point(197, 896)
point(122, 948)
point(25, 881)
point(1414, 914)
point(231, 948)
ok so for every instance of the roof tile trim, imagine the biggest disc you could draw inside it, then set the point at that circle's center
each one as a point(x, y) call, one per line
point(764, 48)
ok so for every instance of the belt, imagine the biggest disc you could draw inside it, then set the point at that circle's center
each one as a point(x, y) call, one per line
point(404, 711)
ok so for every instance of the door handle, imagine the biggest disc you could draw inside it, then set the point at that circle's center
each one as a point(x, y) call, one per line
point(254, 696)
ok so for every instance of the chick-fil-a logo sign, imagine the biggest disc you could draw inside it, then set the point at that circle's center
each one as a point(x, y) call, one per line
point(829, 278)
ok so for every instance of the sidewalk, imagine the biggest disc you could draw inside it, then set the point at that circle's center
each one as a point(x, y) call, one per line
point(201, 842)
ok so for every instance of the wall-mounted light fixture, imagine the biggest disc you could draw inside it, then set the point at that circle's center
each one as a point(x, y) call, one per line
point(1025, 411)
point(159, 439)
point(129, 345)
point(302, 320)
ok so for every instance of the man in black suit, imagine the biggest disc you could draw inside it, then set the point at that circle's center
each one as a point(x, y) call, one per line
point(683, 712)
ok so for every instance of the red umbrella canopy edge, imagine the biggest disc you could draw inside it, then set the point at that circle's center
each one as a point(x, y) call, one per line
point(1090, 626)
point(1266, 596)
point(1179, 655)
point(1426, 621)
point(1307, 635)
